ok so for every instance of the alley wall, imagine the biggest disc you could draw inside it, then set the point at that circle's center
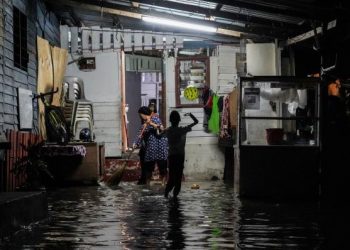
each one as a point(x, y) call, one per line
point(102, 87)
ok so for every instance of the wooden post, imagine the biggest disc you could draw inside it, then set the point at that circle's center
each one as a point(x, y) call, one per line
point(123, 103)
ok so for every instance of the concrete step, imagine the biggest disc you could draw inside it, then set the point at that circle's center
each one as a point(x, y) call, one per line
point(132, 171)
point(19, 209)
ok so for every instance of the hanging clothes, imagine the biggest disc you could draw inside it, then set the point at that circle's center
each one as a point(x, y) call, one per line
point(207, 100)
point(214, 121)
point(233, 99)
point(209, 105)
point(225, 116)
point(221, 103)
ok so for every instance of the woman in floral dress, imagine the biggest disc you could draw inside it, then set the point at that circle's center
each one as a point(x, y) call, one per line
point(155, 145)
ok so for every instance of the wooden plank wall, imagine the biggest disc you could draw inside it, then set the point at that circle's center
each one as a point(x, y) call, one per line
point(1, 67)
point(16, 152)
point(39, 21)
point(226, 70)
point(107, 127)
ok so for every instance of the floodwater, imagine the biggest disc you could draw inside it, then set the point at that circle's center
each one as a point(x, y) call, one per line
point(134, 217)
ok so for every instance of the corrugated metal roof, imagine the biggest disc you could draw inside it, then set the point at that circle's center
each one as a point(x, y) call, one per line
point(275, 17)
point(120, 2)
point(199, 3)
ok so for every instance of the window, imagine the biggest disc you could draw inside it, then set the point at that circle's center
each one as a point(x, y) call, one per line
point(20, 53)
point(191, 72)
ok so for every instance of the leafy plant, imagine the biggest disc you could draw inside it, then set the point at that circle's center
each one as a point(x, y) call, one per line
point(32, 167)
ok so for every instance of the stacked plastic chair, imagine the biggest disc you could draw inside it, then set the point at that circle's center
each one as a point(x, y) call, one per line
point(76, 107)
point(68, 107)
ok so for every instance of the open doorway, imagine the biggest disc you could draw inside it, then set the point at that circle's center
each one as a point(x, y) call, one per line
point(141, 89)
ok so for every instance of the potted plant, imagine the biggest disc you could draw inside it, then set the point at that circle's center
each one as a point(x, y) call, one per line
point(32, 167)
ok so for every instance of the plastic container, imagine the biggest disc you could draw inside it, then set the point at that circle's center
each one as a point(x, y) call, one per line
point(274, 136)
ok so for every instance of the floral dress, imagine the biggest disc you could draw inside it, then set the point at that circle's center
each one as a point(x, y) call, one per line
point(156, 146)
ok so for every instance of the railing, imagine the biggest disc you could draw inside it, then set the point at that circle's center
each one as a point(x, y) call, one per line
point(79, 40)
point(17, 138)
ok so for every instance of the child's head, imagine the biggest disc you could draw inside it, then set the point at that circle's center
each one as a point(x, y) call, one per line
point(152, 107)
point(174, 117)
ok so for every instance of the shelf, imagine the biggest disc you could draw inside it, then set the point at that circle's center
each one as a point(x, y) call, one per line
point(279, 137)
point(279, 118)
point(191, 71)
point(279, 111)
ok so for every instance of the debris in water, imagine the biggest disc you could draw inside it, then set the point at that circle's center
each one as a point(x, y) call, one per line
point(195, 186)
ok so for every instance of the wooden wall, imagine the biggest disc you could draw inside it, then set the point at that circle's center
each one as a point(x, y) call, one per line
point(39, 22)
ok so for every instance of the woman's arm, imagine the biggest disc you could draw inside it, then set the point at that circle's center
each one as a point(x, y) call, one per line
point(137, 142)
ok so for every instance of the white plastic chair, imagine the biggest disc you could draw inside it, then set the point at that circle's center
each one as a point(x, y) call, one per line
point(68, 107)
point(77, 107)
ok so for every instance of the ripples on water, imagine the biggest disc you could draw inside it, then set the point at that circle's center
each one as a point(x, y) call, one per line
point(132, 217)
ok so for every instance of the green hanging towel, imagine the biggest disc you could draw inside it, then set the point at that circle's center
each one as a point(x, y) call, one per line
point(214, 120)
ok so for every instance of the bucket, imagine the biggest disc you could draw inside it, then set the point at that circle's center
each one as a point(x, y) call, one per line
point(274, 136)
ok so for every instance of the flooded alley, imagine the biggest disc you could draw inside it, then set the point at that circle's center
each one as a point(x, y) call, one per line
point(133, 217)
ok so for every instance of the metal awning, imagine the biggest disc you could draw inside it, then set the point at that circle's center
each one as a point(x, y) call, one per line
point(256, 19)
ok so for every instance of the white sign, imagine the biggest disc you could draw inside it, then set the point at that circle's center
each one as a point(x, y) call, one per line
point(252, 98)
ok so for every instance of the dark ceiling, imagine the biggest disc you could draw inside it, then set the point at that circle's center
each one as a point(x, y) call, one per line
point(253, 19)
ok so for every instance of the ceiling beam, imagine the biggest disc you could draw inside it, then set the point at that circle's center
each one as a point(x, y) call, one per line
point(76, 20)
point(311, 33)
point(218, 7)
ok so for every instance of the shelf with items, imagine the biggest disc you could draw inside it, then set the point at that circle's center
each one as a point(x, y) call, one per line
point(279, 137)
point(279, 111)
point(191, 72)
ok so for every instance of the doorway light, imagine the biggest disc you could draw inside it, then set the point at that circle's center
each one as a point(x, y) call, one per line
point(179, 24)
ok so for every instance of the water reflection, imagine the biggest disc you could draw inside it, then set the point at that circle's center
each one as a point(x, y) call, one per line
point(279, 225)
point(175, 235)
point(133, 217)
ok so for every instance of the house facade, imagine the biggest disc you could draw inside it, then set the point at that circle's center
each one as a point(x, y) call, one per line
point(20, 22)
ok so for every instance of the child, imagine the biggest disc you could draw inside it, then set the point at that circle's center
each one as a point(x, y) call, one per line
point(177, 141)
